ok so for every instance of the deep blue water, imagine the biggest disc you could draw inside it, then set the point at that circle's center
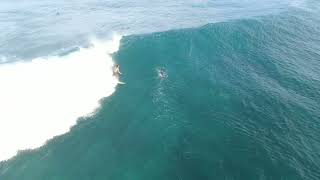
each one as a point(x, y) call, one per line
point(214, 89)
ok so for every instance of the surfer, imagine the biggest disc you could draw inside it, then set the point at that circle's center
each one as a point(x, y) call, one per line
point(117, 73)
point(116, 70)
point(162, 74)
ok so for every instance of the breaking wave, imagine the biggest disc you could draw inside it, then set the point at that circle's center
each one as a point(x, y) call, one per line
point(43, 98)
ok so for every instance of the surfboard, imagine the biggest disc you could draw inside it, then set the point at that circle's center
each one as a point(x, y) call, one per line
point(121, 82)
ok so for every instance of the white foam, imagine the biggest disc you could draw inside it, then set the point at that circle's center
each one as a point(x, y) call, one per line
point(44, 98)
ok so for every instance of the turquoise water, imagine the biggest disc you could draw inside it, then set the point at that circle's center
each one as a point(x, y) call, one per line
point(239, 97)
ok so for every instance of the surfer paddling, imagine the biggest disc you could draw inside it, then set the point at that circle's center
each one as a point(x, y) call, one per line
point(162, 73)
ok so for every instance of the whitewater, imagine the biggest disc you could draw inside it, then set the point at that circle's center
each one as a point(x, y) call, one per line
point(44, 97)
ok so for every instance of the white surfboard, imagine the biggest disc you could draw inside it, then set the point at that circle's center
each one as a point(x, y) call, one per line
point(121, 82)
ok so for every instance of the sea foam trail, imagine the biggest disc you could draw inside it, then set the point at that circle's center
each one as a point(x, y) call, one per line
point(43, 98)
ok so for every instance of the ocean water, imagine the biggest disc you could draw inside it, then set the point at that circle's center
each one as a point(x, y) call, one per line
point(213, 90)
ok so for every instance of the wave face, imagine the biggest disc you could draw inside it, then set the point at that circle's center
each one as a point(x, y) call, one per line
point(233, 100)
point(43, 98)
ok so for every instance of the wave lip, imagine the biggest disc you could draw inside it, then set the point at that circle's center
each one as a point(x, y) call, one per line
point(45, 97)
